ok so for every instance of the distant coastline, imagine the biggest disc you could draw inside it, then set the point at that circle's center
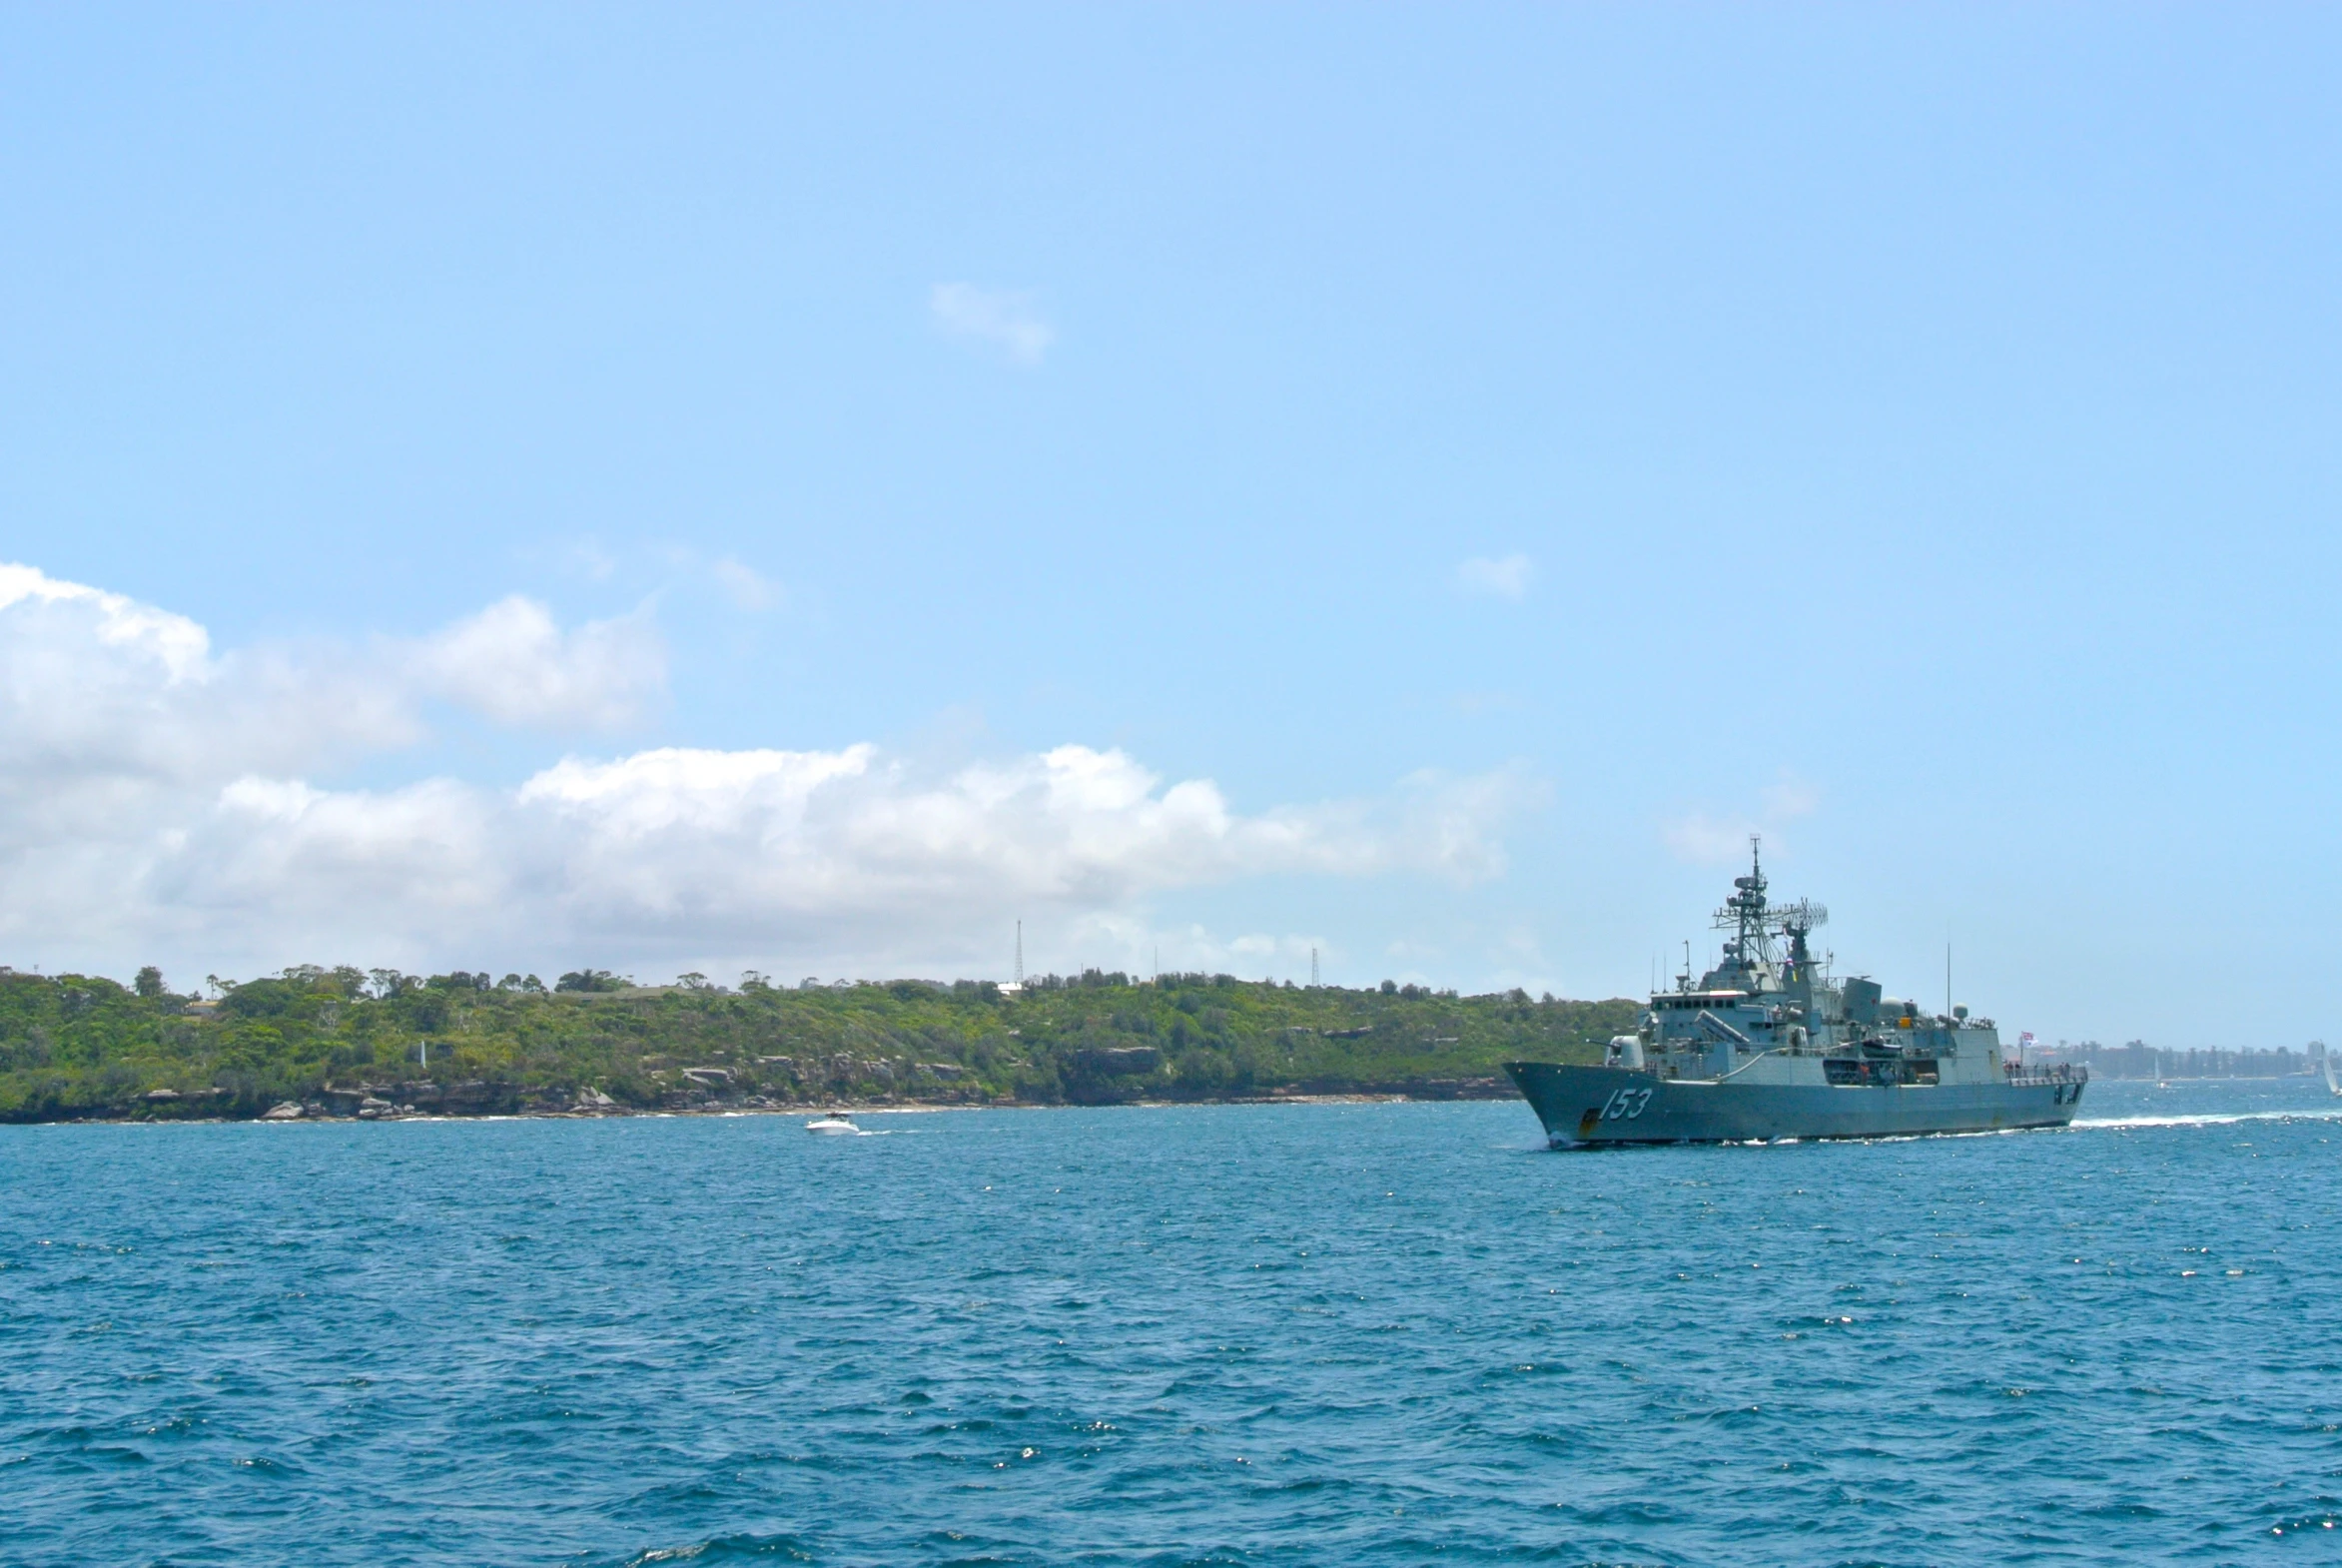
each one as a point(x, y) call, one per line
point(314, 1043)
point(314, 1116)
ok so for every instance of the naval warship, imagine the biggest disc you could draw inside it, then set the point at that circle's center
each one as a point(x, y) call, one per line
point(1768, 1046)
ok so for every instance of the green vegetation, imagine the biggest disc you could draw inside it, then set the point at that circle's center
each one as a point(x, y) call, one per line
point(75, 1045)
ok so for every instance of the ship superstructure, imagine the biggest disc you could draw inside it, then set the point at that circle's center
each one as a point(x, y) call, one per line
point(1767, 1044)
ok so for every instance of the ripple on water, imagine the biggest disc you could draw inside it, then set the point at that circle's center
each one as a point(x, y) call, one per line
point(1376, 1335)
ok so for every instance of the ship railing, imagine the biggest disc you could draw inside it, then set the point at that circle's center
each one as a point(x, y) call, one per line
point(1703, 1048)
point(2060, 1073)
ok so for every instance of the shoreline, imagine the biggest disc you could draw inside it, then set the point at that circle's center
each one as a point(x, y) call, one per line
point(852, 1108)
point(314, 1043)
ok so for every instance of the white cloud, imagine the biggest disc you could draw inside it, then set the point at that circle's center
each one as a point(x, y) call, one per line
point(688, 851)
point(178, 646)
point(101, 697)
point(669, 565)
point(1714, 840)
point(1506, 577)
point(157, 801)
point(745, 586)
point(288, 857)
point(709, 846)
point(512, 663)
point(588, 559)
point(1125, 938)
point(1009, 322)
point(1789, 798)
point(1706, 840)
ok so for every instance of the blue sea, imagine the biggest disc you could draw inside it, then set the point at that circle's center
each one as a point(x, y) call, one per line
point(1268, 1334)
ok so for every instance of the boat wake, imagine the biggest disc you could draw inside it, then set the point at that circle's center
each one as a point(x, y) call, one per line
point(2211, 1119)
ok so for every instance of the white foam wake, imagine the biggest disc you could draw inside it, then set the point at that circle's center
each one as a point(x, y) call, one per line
point(2211, 1119)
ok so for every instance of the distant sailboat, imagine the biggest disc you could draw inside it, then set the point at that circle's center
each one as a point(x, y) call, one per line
point(2327, 1056)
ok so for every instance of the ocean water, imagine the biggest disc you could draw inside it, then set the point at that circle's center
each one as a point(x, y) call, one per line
point(1343, 1334)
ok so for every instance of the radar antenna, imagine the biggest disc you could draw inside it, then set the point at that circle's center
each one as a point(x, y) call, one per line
point(1795, 921)
point(1755, 924)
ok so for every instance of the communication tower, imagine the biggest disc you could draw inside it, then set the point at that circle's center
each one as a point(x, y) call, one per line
point(1756, 925)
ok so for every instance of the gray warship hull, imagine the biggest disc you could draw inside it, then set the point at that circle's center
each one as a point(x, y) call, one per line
point(1583, 1105)
point(1767, 1044)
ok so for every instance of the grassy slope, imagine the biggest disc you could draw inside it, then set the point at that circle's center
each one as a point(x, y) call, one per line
point(72, 1046)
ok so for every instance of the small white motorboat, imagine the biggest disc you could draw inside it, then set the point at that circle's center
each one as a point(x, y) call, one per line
point(835, 1123)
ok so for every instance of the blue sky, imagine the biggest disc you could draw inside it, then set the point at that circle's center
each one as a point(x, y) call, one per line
point(1509, 454)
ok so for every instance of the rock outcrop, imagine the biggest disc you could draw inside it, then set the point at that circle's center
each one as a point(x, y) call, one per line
point(1117, 1060)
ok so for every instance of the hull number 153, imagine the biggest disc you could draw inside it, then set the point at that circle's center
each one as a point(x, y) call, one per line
point(1625, 1105)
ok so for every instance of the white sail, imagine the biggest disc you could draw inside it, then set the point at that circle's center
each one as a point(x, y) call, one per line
point(2326, 1056)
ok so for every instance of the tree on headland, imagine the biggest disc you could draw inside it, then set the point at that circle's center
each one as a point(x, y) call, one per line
point(589, 980)
point(83, 1047)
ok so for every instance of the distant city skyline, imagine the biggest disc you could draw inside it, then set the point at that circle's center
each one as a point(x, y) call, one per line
point(1406, 492)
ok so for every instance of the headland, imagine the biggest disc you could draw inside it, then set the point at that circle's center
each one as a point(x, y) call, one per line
point(314, 1043)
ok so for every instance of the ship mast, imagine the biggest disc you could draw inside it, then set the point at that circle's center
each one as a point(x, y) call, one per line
point(1755, 924)
point(1746, 907)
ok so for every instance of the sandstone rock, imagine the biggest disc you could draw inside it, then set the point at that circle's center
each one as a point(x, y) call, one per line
point(283, 1111)
point(477, 1097)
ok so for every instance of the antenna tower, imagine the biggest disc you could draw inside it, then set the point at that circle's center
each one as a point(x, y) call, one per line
point(1755, 924)
point(1312, 969)
point(1020, 953)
